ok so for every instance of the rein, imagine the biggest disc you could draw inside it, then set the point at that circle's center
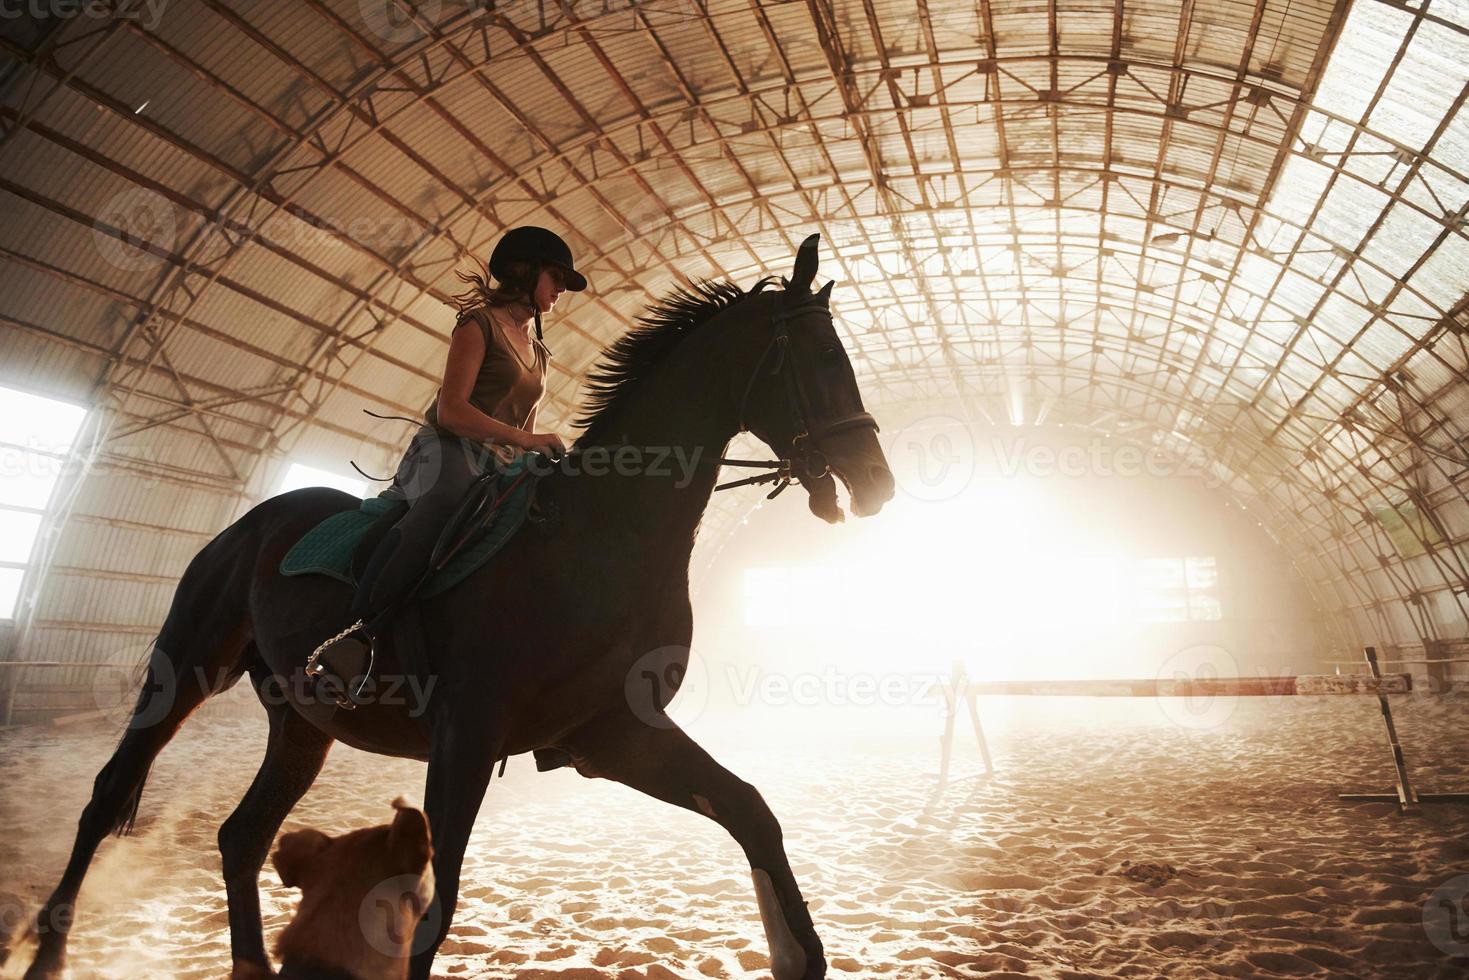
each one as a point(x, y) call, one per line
point(803, 464)
point(783, 471)
point(806, 442)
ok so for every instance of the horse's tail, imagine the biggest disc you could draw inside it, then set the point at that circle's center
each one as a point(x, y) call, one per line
point(201, 650)
point(205, 645)
point(143, 680)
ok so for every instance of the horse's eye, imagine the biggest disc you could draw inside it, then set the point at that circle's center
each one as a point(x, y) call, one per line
point(831, 352)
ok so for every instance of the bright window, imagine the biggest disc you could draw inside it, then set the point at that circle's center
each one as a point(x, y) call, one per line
point(300, 475)
point(1173, 590)
point(36, 435)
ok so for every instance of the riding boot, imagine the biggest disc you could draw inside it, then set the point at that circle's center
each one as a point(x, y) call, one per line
point(396, 565)
point(342, 664)
point(344, 658)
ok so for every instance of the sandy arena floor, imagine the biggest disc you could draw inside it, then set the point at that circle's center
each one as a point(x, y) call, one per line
point(1115, 841)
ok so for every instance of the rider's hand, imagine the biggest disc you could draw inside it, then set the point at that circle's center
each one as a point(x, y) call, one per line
point(546, 443)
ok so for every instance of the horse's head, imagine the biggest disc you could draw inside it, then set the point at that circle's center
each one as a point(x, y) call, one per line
point(802, 399)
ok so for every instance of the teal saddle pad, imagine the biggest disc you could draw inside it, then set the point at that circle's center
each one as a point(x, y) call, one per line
point(327, 549)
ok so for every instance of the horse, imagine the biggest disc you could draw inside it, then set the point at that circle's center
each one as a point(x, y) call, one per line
point(573, 640)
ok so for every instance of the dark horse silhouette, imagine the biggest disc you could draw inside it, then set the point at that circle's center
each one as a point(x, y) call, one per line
point(545, 647)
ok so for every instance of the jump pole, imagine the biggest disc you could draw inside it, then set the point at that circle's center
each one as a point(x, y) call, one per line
point(1201, 687)
point(1406, 797)
point(1378, 683)
point(955, 694)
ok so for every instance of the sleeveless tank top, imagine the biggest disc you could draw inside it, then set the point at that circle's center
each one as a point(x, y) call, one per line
point(507, 388)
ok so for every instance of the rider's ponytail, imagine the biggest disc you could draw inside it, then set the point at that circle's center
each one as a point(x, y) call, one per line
point(516, 286)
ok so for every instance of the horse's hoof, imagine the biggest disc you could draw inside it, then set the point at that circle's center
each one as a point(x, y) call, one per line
point(815, 966)
point(46, 968)
point(247, 970)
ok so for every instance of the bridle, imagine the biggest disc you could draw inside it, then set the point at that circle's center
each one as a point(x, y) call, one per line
point(806, 444)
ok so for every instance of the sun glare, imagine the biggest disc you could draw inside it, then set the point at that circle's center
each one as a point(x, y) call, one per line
point(1008, 578)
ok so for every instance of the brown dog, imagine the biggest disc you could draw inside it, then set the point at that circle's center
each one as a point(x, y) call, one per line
point(362, 895)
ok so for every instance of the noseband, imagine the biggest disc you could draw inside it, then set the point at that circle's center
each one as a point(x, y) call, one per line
point(808, 461)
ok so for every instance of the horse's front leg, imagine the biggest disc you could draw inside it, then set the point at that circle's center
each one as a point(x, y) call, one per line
point(466, 746)
point(662, 761)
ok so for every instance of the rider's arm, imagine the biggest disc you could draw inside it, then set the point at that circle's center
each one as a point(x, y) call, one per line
point(466, 354)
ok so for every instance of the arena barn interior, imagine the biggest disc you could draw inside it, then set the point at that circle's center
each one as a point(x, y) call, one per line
point(1162, 308)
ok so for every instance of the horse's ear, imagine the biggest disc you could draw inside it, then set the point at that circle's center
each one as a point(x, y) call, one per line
point(805, 265)
point(825, 294)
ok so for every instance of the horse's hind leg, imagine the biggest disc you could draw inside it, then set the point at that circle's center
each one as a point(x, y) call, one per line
point(293, 758)
point(665, 763)
point(200, 651)
point(167, 698)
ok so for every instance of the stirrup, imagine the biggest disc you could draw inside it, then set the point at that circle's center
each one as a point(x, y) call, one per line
point(318, 667)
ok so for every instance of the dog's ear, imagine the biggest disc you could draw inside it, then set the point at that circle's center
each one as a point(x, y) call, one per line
point(408, 839)
point(295, 853)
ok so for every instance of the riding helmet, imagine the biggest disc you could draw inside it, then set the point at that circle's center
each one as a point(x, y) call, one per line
point(529, 243)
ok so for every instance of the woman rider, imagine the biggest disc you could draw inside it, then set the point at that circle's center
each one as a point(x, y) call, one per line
point(493, 381)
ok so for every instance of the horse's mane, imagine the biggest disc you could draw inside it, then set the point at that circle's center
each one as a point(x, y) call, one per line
point(625, 363)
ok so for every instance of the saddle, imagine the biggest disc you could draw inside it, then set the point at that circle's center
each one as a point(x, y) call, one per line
point(492, 511)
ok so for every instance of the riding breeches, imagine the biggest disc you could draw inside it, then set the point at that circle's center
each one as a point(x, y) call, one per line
point(434, 475)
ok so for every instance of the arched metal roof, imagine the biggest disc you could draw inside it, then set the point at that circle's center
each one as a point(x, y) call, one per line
point(1235, 228)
